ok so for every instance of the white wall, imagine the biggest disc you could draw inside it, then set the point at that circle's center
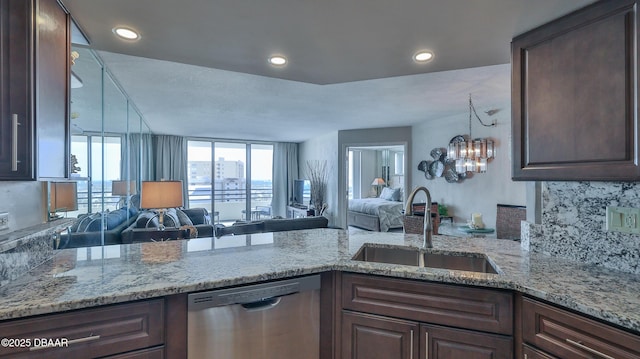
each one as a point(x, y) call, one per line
point(323, 147)
point(482, 192)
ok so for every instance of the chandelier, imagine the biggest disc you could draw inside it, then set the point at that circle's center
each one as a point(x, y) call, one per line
point(471, 154)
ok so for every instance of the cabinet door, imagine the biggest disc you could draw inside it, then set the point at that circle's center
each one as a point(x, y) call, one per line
point(574, 96)
point(449, 343)
point(52, 59)
point(367, 336)
point(34, 91)
point(15, 91)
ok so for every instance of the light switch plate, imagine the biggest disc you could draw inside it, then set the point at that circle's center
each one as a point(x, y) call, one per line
point(623, 219)
point(4, 220)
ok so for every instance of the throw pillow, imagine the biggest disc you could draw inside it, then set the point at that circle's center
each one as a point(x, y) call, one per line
point(147, 219)
point(171, 218)
point(387, 194)
point(84, 222)
point(184, 219)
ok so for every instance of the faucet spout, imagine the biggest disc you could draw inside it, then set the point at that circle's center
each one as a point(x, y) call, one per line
point(427, 225)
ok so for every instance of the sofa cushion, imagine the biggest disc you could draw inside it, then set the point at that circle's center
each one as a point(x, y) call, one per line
point(184, 219)
point(292, 224)
point(272, 225)
point(198, 215)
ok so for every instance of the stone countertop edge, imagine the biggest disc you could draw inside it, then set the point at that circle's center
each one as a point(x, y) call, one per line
point(14, 239)
point(65, 283)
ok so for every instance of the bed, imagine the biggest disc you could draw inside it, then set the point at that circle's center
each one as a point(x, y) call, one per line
point(377, 214)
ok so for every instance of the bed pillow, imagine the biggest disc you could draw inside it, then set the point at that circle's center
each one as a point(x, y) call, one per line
point(397, 195)
point(387, 194)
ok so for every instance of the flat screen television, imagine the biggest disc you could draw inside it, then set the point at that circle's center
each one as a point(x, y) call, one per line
point(301, 192)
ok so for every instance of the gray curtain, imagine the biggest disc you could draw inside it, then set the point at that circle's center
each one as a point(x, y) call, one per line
point(140, 159)
point(171, 160)
point(285, 170)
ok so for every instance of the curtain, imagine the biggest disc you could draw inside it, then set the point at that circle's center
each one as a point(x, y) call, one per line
point(140, 157)
point(285, 170)
point(171, 160)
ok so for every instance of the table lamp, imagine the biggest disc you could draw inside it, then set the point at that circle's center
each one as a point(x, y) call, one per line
point(63, 196)
point(124, 189)
point(161, 195)
point(377, 182)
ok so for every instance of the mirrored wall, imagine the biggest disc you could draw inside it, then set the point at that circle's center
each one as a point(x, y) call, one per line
point(109, 155)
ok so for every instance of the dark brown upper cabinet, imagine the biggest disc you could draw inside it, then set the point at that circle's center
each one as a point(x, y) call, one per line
point(574, 96)
point(34, 89)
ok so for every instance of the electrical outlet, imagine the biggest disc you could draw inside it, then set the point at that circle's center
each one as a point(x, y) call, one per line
point(4, 220)
point(623, 219)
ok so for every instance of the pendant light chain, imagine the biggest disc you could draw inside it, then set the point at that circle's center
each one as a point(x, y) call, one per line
point(472, 108)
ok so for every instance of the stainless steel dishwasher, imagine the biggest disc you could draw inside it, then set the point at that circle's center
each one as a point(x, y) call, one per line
point(276, 320)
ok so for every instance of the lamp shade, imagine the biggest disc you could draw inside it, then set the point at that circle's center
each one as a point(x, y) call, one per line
point(123, 188)
point(161, 194)
point(377, 182)
point(63, 196)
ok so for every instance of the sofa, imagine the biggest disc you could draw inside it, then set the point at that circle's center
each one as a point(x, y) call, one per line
point(87, 230)
point(272, 225)
point(179, 222)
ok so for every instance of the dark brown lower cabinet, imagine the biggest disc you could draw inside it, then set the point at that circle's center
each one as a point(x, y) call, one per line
point(555, 332)
point(366, 336)
point(133, 330)
point(531, 353)
point(387, 318)
point(439, 342)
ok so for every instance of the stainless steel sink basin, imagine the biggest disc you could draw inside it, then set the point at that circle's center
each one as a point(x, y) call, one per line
point(474, 262)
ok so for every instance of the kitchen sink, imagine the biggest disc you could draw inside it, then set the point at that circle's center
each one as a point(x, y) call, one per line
point(473, 262)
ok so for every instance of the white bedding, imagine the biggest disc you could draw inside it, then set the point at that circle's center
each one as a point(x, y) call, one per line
point(389, 212)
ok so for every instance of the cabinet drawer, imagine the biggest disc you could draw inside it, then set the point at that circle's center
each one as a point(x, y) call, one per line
point(568, 335)
point(451, 305)
point(89, 333)
point(531, 353)
point(154, 353)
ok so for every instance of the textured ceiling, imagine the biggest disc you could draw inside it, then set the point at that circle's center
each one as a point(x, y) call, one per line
point(200, 68)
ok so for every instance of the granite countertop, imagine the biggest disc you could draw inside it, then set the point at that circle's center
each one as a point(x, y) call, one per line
point(85, 277)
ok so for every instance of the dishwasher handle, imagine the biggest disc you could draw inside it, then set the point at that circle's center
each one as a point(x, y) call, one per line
point(255, 293)
point(260, 305)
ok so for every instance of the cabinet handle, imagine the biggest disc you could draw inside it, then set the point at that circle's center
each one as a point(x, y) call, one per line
point(411, 344)
point(426, 345)
point(590, 350)
point(14, 142)
point(69, 342)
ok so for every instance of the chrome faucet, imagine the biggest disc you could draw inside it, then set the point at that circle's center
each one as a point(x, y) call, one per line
point(428, 225)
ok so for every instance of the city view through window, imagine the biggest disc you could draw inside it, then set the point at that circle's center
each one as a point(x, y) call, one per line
point(220, 180)
point(233, 181)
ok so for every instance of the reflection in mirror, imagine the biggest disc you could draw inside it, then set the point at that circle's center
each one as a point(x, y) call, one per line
point(106, 148)
point(375, 187)
point(63, 197)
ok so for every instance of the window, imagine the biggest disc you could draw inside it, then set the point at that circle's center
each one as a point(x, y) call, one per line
point(99, 163)
point(232, 180)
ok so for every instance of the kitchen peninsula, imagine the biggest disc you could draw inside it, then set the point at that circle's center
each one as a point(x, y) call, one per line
point(92, 277)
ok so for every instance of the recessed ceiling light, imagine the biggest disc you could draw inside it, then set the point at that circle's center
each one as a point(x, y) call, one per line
point(423, 56)
point(278, 60)
point(126, 33)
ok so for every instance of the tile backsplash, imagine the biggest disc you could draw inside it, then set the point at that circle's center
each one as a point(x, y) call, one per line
point(573, 224)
